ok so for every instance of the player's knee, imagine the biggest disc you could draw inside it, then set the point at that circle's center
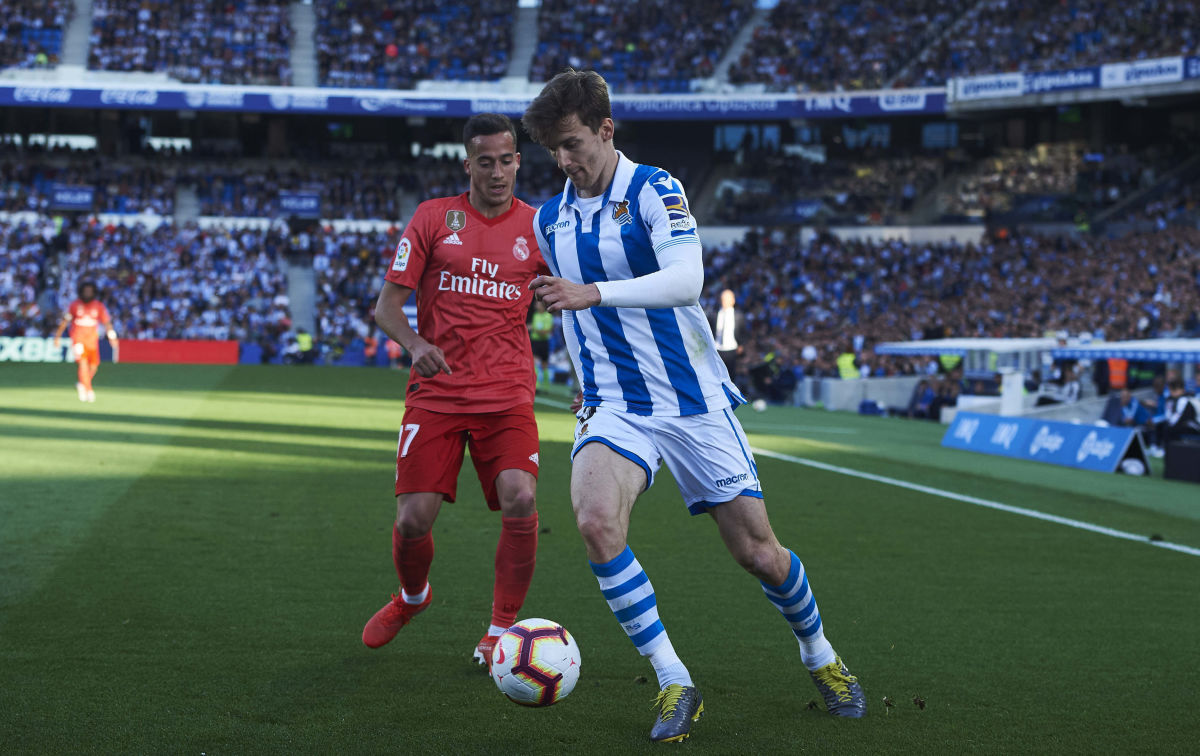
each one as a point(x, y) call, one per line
point(520, 503)
point(763, 560)
point(599, 533)
point(413, 522)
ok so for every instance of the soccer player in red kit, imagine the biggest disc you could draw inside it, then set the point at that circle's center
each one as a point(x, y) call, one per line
point(470, 260)
point(85, 316)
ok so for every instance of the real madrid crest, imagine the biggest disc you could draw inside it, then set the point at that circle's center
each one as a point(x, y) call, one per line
point(521, 249)
point(456, 220)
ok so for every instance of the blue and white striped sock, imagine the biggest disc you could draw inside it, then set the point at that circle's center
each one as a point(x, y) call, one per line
point(795, 601)
point(631, 599)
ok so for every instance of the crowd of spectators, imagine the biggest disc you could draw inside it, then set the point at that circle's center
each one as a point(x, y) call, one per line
point(390, 45)
point(166, 283)
point(1086, 181)
point(805, 301)
point(31, 32)
point(808, 45)
point(130, 186)
point(196, 41)
point(775, 187)
point(345, 190)
point(648, 46)
point(1025, 35)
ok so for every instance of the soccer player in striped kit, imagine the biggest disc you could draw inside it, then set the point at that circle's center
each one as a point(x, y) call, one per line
point(627, 275)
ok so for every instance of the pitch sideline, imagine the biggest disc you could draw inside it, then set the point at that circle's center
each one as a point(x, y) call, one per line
point(986, 503)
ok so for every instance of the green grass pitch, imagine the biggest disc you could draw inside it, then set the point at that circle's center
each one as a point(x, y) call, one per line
point(186, 566)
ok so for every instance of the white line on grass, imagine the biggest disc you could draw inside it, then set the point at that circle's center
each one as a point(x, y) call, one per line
point(552, 402)
point(1080, 524)
point(981, 502)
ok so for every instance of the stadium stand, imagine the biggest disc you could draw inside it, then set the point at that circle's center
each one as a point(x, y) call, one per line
point(771, 187)
point(1025, 35)
point(31, 32)
point(345, 190)
point(127, 186)
point(387, 45)
point(197, 41)
point(806, 298)
point(1060, 180)
point(167, 283)
point(812, 46)
point(657, 46)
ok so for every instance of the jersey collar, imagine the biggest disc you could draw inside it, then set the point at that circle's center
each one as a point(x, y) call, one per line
point(615, 192)
point(466, 201)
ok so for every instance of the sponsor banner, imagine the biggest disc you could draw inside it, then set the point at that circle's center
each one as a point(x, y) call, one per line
point(34, 349)
point(988, 87)
point(1086, 447)
point(300, 204)
point(1019, 84)
point(1107, 76)
point(179, 351)
point(72, 197)
point(1142, 72)
point(391, 103)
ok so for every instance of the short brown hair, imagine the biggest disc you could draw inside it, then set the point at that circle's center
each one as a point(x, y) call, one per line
point(580, 93)
point(486, 124)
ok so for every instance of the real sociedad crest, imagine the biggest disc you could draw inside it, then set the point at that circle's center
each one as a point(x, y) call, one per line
point(456, 220)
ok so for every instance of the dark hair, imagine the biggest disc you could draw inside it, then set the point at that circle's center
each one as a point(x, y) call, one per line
point(1175, 384)
point(84, 284)
point(580, 93)
point(486, 124)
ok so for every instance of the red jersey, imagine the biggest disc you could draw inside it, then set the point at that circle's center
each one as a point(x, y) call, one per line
point(472, 277)
point(86, 319)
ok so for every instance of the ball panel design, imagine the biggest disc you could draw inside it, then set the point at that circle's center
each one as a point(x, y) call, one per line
point(536, 663)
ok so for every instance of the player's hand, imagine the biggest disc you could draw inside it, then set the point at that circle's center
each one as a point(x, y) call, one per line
point(560, 294)
point(577, 402)
point(57, 342)
point(428, 360)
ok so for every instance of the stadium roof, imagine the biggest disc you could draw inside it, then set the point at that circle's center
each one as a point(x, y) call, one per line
point(961, 347)
point(1145, 350)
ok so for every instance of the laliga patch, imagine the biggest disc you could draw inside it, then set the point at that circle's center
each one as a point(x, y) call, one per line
point(674, 202)
point(403, 250)
point(521, 249)
point(456, 220)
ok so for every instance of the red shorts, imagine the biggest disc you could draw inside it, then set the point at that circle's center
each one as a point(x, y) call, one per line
point(429, 453)
point(87, 352)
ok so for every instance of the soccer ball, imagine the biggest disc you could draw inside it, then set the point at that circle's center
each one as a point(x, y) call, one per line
point(536, 663)
point(759, 405)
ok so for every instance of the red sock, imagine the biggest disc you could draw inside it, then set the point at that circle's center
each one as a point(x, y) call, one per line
point(412, 557)
point(515, 555)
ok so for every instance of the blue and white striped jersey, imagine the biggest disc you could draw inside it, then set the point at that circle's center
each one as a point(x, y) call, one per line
point(642, 361)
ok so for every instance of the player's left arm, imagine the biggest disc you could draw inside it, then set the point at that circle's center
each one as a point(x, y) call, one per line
point(109, 331)
point(680, 277)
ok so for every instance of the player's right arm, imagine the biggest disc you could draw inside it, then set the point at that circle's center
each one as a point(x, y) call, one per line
point(427, 359)
point(62, 326)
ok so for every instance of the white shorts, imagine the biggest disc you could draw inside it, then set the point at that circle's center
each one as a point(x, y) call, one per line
point(708, 454)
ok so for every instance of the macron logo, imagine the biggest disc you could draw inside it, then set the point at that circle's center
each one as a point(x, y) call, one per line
point(731, 480)
point(453, 239)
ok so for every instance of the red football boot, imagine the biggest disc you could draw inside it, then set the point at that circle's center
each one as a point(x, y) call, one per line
point(483, 651)
point(394, 615)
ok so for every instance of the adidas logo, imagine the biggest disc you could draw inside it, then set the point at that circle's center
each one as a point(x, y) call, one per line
point(534, 459)
point(452, 239)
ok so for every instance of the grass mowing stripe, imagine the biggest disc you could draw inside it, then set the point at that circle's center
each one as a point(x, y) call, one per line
point(1080, 524)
